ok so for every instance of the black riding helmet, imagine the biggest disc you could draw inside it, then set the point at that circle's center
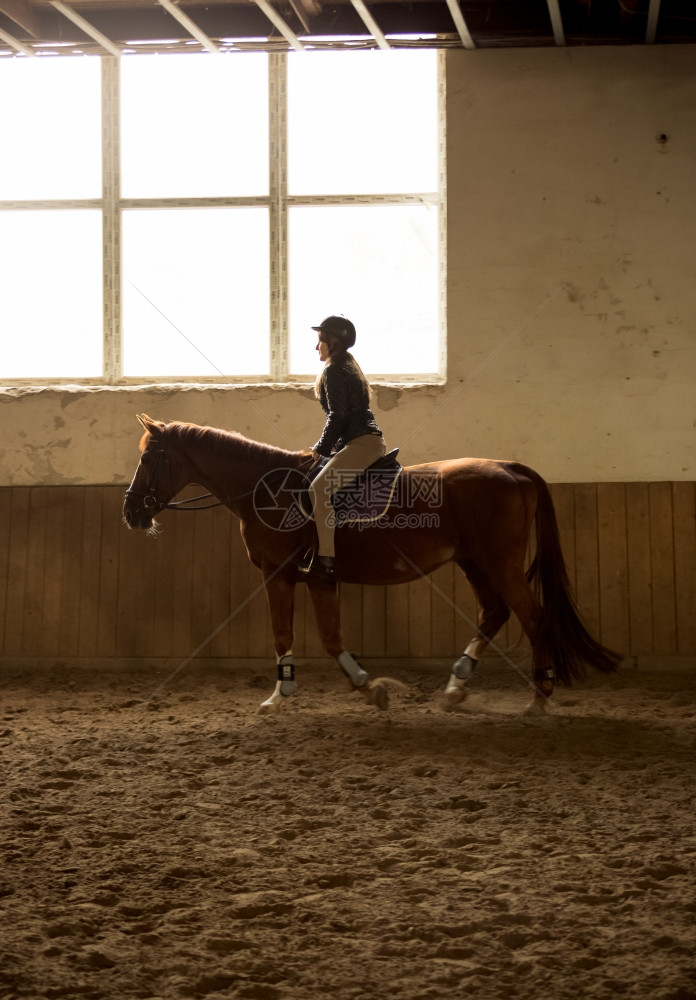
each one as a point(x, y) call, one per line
point(340, 328)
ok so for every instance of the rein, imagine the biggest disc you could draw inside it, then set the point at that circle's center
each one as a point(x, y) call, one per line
point(178, 504)
point(150, 501)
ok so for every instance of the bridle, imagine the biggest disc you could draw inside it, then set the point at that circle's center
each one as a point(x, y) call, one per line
point(149, 498)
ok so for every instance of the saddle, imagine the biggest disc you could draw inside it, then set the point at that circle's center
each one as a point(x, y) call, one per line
point(365, 498)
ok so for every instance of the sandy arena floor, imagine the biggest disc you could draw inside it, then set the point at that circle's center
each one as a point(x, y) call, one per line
point(188, 847)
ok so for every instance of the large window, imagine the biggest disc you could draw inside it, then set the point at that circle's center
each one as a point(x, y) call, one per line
point(190, 217)
point(51, 299)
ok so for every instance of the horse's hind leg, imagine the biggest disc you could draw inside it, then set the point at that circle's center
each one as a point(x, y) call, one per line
point(327, 612)
point(526, 607)
point(492, 614)
point(520, 597)
point(281, 602)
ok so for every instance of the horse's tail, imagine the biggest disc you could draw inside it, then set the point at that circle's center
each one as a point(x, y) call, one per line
point(568, 644)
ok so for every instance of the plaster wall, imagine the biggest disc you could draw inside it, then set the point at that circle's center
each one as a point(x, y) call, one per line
point(571, 314)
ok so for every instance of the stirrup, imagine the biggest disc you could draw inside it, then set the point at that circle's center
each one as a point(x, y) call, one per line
point(321, 571)
point(311, 565)
point(305, 562)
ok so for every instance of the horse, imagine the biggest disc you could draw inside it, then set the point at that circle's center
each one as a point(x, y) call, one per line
point(476, 512)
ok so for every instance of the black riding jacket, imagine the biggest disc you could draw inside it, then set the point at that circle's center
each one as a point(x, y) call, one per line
point(346, 403)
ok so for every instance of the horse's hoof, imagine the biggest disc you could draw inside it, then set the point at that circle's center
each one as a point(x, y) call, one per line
point(376, 694)
point(268, 707)
point(536, 707)
point(454, 698)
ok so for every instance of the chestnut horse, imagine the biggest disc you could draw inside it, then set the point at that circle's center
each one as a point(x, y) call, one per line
point(477, 512)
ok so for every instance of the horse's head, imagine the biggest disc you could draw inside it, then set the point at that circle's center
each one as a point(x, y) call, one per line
point(151, 489)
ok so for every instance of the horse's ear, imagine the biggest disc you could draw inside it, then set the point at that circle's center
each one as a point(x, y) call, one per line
point(153, 427)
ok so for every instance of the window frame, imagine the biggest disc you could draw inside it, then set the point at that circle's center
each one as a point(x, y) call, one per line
point(278, 202)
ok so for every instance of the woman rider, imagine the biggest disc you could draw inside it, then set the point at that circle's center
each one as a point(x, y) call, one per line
point(350, 436)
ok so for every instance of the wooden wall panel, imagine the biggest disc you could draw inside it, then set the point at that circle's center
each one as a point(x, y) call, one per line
point(5, 582)
point(33, 636)
point(662, 568)
point(74, 583)
point(685, 565)
point(68, 599)
point(613, 574)
point(107, 609)
point(640, 623)
point(89, 573)
point(587, 554)
point(53, 565)
point(16, 556)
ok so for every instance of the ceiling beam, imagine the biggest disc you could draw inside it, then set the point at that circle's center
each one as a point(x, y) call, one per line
point(460, 24)
point(653, 18)
point(186, 22)
point(15, 43)
point(556, 21)
point(88, 29)
point(370, 23)
point(305, 11)
point(278, 22)
point(22, 14)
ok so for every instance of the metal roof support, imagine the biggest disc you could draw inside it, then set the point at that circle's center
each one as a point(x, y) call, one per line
point(278, 22)
point(88, 29)
point(22, 14)
point(371, 25)
point(186, 22)
point(15, 44)
point(556, 21)
point(305, 11)
point(653, 17)
point(460, 24)
point(300, 15)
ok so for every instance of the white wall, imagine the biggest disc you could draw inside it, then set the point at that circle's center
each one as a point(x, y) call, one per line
point(563, 199)
point(558, 180)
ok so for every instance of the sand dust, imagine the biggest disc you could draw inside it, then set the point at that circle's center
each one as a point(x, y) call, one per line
point(188, 847)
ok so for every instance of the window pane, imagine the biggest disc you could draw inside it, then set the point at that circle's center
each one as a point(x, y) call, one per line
point(362, 122)
point(206, 271)
point(375, 264)
point(194, 126)
point(51, 294)
point(51, 128)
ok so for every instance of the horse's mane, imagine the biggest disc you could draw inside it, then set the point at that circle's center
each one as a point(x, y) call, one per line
point(231, 444)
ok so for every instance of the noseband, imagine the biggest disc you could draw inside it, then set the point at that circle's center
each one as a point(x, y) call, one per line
point(149, 498)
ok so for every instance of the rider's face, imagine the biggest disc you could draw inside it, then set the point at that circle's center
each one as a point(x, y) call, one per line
point(323, 349)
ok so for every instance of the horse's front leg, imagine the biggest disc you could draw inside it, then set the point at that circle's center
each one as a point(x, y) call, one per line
point(327, 611)
point(462, 672)
point(280, 591)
